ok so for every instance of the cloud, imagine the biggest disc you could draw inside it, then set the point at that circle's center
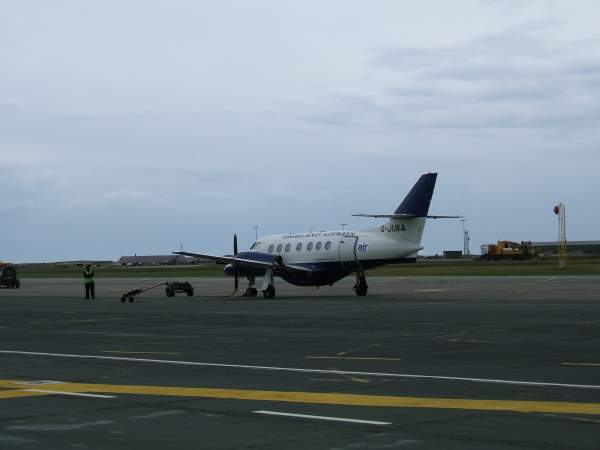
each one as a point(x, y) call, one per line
point(519, 77)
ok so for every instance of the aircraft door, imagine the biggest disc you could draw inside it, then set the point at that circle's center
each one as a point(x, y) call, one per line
point(347, 253)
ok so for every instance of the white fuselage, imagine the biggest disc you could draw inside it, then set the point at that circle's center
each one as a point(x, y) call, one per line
point(393, 241)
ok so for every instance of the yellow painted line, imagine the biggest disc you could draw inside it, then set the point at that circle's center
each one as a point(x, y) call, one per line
point(580, 364)
point(124, 352)
point(16, 393)
point(328, 398)
point(354, 358)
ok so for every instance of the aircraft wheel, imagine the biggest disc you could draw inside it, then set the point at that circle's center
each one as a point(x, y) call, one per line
point(123, 299)
point(253, 292)
point(269, 292)
point(361, 290)
point(131, 300)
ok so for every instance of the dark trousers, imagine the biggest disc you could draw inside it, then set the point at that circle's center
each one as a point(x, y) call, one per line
point(89, 289)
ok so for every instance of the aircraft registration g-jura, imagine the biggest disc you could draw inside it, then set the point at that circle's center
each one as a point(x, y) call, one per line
point(319, 259)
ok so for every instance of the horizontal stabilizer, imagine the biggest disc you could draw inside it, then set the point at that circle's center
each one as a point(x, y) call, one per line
point(403, 216)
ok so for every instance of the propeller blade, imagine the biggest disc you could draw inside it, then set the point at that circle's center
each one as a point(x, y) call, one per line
point(236, 279)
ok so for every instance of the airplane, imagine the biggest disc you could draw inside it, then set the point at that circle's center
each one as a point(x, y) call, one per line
point(323, 258)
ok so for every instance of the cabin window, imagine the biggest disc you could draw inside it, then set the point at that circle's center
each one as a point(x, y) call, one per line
point(299, 246)
point(279, 248)
point(318, 246)
point(327, 245)
point(288, 247)
point(309, 246)
point(271, 248)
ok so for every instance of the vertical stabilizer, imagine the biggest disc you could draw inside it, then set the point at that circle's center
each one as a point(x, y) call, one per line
point(418, 199)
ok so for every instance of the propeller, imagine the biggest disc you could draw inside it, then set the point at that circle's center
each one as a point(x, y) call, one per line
point(235, 273)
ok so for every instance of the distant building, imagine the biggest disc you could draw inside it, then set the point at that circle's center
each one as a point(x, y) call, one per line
point(155, 260)
point(453, 254)
point(574, 248)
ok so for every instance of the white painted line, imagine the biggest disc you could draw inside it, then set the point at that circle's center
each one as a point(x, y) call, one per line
point(299, 370)
point(333, 419)
point(431, 290)
point(545, 280)
point(76, 394)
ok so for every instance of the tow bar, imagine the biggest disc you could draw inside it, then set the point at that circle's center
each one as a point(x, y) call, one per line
point(131, 294)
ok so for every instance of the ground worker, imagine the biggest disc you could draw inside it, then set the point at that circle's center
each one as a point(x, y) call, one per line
point(88, 280)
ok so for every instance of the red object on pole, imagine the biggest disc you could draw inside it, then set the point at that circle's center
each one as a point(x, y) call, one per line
point(556, 210)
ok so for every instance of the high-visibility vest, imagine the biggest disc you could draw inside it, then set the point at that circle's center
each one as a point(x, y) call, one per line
point(88, 276)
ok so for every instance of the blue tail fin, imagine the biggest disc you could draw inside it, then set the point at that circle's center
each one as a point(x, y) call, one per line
point(418, 199)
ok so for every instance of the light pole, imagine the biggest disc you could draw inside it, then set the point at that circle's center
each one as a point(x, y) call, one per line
point(343, 226)
point(255, 232)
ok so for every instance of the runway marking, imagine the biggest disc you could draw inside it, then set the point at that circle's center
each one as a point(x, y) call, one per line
point(325, 398)
point(77, 394)
point(351, 378)
point(430, 290)
point(62, 322)
point(545, 280)
point(124, 352)
point(580, 364)
point(353, 358)
point(333, 419)
point(17, 393)
point(95, 320)
point(299, 370)
point(352, 350)
point(158, 414)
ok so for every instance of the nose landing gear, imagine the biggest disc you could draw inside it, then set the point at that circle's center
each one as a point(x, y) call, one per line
point(361, 286)
point(251, 291)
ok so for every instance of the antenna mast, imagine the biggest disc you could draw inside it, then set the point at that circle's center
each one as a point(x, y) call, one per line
point(559, 210)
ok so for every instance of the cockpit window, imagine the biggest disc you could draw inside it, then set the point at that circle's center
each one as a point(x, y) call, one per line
point(254, 245)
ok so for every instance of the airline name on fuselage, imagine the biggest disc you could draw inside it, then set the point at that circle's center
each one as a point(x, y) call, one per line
point(319, 234)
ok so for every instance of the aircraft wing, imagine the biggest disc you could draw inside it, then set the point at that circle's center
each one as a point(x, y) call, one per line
point(246, 262)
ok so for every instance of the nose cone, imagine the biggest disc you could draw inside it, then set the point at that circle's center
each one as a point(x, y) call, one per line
point(229, 270)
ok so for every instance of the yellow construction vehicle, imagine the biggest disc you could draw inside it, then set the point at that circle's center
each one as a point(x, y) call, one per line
point(507, 250)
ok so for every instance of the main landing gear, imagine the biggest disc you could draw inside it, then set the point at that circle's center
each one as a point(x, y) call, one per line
point(267, 287)
point(361, 286)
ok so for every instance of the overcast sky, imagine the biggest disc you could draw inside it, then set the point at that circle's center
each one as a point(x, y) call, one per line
point(131, 126)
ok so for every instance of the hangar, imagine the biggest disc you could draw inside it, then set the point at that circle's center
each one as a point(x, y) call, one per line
point(575, 248)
